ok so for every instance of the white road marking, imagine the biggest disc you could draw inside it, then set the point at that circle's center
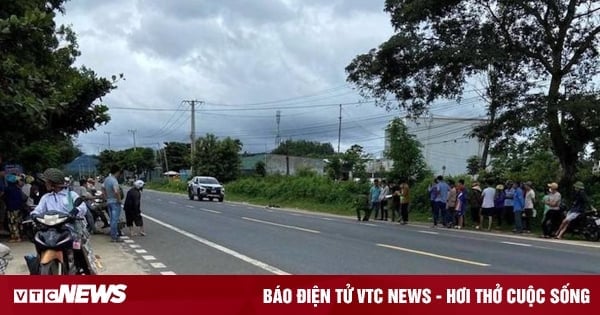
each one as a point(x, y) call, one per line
point(124, 237)
point(282, 225)
point(370, 224)
point(191, 207)
point(429, 232)
point(167, 273)
point(158, 265)
point(464, 261)
point(211, 211)
point(141, 251)
point(134, 246)
point(517, 244)
point(149, 257)
point(128, 241)
point(327, 219)
point(216, 246)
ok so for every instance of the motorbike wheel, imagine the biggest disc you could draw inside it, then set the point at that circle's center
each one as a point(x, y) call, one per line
point(592, 233)
point(52, 268)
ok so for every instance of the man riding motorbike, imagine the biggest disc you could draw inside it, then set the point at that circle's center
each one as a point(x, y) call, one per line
point(60, 198)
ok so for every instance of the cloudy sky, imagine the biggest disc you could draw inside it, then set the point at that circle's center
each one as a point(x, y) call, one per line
point(244, 59)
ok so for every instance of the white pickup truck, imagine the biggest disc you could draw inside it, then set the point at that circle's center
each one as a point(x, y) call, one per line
point(205, 187)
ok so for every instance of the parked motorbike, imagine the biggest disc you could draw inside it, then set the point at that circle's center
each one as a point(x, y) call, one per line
point(60, 249)
point(98, 209)
point(586, 225)
point(5, 257)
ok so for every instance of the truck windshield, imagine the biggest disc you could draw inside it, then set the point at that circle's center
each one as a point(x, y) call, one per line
point(209, 181)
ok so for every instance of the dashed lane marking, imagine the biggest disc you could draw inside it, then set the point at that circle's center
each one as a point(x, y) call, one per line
point(211, 211)
point(129, 241)
point(141, 251)
point(418, 252)
point(148, 257)
point(282, 225)
point(167, 273)
point(134, 246)
point(516, 244)
point(157, 265)
point(429, 232)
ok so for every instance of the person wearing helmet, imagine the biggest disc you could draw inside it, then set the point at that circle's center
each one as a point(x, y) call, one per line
point(132, 207)
point(59, 197)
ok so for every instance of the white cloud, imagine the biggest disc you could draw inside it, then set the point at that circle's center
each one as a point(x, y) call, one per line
point(232, 52)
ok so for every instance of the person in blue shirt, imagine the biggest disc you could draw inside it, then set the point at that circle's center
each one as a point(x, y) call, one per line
point(518, 207)
point(373, 198)
point(441, 198)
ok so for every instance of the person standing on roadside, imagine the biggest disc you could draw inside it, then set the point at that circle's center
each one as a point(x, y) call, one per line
point(487, 205)
point(552, 217)
point(499, 203)
point(451, 204)
point(509, 193)
point(374, 193)
point(518, 206)
point(132, 207)
point(404, 202)
point(529, 204)
point(383, 202)
point(395, 202)
point(112, 192)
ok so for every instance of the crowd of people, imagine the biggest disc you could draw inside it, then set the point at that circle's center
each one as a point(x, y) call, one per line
point(511, 203)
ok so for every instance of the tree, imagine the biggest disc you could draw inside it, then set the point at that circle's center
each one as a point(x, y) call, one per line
point(39, 85)
point(260, 169)
point(473, 165)
point(218, 158)
point(354, 160)
point(551, 45)
point(40, 155)
point(178, 155)
point(138, 160)
point(334, 168)
point(405, 152)
point(304, 148)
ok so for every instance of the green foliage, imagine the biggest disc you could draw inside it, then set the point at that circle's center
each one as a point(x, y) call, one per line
point(308, 188)
point(473, 165)
point(355, 160)
point(304, 148)
point(39, 86)
point(260, 169)
point(545, 45)
point(405, 152)
point(334, 168)
point(178, 156)
point(42, 154)
point(136, 160)
point(218, 158)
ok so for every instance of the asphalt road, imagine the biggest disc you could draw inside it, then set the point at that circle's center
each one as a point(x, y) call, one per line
point(192, 237)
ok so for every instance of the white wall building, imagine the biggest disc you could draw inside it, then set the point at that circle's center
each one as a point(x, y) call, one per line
point(445, 140)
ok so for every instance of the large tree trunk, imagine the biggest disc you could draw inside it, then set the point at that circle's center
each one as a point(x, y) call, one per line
point(566, 153)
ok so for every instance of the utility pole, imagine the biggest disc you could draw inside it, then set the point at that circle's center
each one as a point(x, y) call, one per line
point(108, 134)
point(193, 133)
point(340, 130)
point(278, 136)
point(133, 131)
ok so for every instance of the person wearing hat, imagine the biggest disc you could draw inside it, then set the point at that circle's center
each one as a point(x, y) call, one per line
point(475, 201)
point(59, 197)
point(580, 203)
point(552, 215)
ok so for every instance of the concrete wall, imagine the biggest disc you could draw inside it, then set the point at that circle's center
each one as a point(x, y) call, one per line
point(277, 164)
point(445, 142)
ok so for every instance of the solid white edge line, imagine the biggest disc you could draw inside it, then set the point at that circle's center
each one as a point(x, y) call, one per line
point(168, 273)
point(216, 246)
point(429, 232)
point(282, 225)
point(464, 261)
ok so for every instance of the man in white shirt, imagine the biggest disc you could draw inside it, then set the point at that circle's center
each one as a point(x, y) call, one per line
point(487, 205)
point(57, 198)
